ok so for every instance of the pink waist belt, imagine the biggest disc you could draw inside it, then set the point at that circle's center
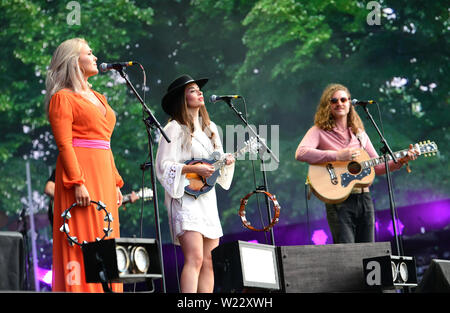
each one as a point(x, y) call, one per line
point(91, 143)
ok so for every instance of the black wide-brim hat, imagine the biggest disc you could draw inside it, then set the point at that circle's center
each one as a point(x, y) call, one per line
point(174, 90)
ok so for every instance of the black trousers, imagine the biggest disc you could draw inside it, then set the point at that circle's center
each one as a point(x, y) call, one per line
point(353, 220)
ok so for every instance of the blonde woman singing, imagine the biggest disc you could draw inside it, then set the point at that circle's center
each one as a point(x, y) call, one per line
point(82, 123)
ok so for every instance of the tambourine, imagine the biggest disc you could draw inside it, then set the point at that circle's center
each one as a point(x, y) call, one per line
point(276, 207)
point(74, 240)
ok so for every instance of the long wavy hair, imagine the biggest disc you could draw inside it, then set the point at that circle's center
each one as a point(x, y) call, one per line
point(64, 70)
point(325, 120)
point(183, 117)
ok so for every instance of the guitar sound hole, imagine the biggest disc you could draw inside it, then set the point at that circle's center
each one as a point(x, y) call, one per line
point(354, 168)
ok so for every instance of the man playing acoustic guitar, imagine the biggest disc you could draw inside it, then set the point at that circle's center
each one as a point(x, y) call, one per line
point(338, 135)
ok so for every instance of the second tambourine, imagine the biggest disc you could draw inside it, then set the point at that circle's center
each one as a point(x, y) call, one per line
point(276, 207)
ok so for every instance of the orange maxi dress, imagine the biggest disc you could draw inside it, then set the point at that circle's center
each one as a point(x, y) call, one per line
point(72, 116)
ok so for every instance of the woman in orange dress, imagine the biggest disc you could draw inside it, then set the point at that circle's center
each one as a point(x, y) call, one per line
point(82, 123)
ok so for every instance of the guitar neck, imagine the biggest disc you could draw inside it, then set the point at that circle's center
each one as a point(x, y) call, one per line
point(126, 199)
point(422, 148)
point(380, 160)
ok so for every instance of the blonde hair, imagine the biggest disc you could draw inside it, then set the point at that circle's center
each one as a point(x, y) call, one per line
point(64, 70)
point(325, 120)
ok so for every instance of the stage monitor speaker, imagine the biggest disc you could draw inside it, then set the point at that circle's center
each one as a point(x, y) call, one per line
point(436, 278)
point(328, 268)
point(12, 261)
point(241, 266)
point(390, 271)
point(126, 260)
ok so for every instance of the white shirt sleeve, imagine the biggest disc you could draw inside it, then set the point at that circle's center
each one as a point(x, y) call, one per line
point(168, 161)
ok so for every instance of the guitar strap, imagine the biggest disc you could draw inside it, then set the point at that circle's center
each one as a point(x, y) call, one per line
point(359, 137)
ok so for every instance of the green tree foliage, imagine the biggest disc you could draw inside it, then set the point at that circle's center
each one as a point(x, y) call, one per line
point(30, 32)
point(401, 63)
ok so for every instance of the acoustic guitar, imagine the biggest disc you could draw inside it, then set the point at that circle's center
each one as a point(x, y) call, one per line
point(199, 185)
point(332, 182)
point(147, 194)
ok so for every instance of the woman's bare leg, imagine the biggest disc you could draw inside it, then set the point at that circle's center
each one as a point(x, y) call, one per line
point(206, 278)
point(192, 246)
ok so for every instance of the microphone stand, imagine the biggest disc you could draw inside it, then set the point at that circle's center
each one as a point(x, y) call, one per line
point(387, 155)
point(151, 123)
point(265, 186)
point(24, 231)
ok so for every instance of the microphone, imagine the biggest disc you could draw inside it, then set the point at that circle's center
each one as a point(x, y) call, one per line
point(215, 98)
point(357, 102)
point(115, 66)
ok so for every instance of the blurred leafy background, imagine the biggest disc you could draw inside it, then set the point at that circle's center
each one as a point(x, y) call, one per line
point(279, 55)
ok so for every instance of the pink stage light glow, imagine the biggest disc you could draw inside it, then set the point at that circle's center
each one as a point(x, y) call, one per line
point(44, 275)
point(319, 237)
point(400, 227)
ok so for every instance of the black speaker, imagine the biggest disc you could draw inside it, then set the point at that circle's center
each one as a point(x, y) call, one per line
point(12, 261)
point(328, 268)
point(436, 277)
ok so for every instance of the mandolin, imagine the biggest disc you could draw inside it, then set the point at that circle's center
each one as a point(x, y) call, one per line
point(332, 182)
point(199, 185)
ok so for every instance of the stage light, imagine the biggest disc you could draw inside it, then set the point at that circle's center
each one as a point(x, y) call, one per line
point(123, 260)
point(403, 272)
point(140, 259)
point(134, 259)
point(243, 266)
point(390, 271)
point(126, 260)
point(257, 265)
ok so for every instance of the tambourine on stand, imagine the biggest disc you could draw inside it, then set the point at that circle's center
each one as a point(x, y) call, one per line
point(73, 239)
point(276, 207)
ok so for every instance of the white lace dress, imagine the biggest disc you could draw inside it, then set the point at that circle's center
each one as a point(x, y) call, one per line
point(184, 211)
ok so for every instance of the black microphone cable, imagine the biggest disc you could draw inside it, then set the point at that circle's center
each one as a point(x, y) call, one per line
point(307, 197)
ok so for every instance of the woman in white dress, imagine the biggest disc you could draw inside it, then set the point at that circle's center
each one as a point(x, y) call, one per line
point(194, 222)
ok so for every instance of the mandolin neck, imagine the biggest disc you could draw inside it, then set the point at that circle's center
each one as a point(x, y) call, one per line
point(221, 163)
